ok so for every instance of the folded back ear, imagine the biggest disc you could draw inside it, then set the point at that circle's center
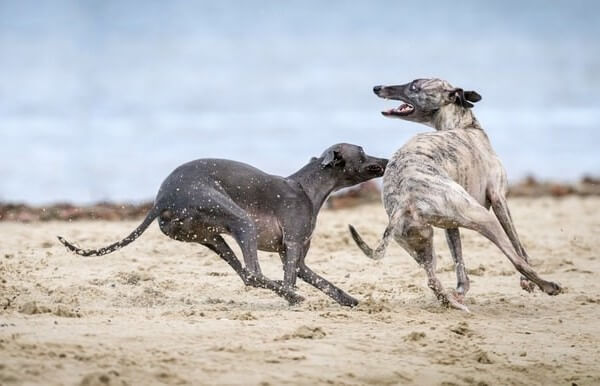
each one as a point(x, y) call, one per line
point(332, 158)
point(458, 96)
point(472, 96)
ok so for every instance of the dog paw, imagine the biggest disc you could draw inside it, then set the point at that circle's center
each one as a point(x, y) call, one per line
point(552, 288)
point(348, 301)
point(527, 285)
point(456, 301)
point(458, 295)
point(294, 299)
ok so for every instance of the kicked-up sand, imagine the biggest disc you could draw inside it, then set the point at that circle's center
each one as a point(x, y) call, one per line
point(165, 312)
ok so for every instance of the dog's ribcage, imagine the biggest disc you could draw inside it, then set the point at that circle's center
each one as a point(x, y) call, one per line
point(419, 169)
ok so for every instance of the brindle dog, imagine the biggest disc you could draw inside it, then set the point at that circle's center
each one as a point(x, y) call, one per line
point(449, 179)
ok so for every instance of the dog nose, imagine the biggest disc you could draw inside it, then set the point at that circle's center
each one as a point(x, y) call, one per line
point(376, 89)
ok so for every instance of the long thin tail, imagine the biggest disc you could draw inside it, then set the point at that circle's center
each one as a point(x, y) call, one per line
point(119, 244)
point(379, 252)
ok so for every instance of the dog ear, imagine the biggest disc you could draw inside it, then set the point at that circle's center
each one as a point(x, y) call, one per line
point(332, 158)
point(458, 96)
point(472, 96)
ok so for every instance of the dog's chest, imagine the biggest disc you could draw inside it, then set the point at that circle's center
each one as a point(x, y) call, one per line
point(269, 232)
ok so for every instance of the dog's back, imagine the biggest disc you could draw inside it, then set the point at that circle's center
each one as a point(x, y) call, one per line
point(464, 156)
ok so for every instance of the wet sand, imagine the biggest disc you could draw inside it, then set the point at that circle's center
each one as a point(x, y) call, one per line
point(160, 311)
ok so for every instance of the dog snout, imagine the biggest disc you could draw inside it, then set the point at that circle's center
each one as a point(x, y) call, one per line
point(377, 89)
point(383, 163)
point(378, 166)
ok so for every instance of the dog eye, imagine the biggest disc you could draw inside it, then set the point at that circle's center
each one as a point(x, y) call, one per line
point(413, 87)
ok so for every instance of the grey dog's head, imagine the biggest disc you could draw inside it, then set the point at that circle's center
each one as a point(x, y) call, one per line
point(424, 98)
point(349, 164)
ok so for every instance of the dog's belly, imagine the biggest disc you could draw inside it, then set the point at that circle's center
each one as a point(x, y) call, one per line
point(269, 233)
point(188, 228)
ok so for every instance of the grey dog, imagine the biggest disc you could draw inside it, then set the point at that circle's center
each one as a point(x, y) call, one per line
point(202, 199)
point(449, 179)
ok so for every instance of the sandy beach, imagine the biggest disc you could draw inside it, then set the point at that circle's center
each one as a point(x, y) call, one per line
point(164, 312)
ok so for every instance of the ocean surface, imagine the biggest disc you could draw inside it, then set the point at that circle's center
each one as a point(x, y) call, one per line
point(100, 100)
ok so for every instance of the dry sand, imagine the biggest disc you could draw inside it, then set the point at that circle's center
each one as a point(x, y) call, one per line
point(160, 311)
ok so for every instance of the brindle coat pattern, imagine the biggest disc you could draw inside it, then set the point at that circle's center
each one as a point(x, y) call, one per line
point(448, 179)
point(202, 199)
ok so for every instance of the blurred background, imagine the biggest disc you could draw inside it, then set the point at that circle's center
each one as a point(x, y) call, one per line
point(100, 100)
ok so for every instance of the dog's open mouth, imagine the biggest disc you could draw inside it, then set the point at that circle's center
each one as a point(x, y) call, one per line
point(376, 169)
point(400, 111)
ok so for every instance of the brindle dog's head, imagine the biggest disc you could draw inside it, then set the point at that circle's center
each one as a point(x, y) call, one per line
point(424, 98)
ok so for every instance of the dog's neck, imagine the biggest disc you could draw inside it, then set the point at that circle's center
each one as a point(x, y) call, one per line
point(315, 182)
point(453, 116)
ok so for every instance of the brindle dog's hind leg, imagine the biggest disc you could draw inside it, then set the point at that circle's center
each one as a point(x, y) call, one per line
point(475, 217)
point(418, 241)
point(461, 209)
point(500, 207)
point(462, 280)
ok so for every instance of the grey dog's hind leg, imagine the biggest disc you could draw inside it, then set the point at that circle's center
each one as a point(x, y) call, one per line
point(243, 230)
point(220, 246)
point(462, 280)
point(500, 207)
point(226, 213)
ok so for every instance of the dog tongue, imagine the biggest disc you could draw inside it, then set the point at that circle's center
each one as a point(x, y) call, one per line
point(404, 107)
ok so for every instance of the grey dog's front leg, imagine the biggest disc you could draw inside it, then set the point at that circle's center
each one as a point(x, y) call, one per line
point(220, 246)
point(322, 284)
point(290, 257)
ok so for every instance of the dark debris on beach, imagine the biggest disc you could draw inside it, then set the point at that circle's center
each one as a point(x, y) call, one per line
point(362, 194)
point(70, 212)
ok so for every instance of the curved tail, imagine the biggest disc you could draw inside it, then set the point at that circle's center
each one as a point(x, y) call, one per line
point(154, 212)
point(379, 252)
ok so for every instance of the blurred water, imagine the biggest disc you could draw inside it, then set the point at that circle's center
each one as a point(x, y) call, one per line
point(102, 99)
